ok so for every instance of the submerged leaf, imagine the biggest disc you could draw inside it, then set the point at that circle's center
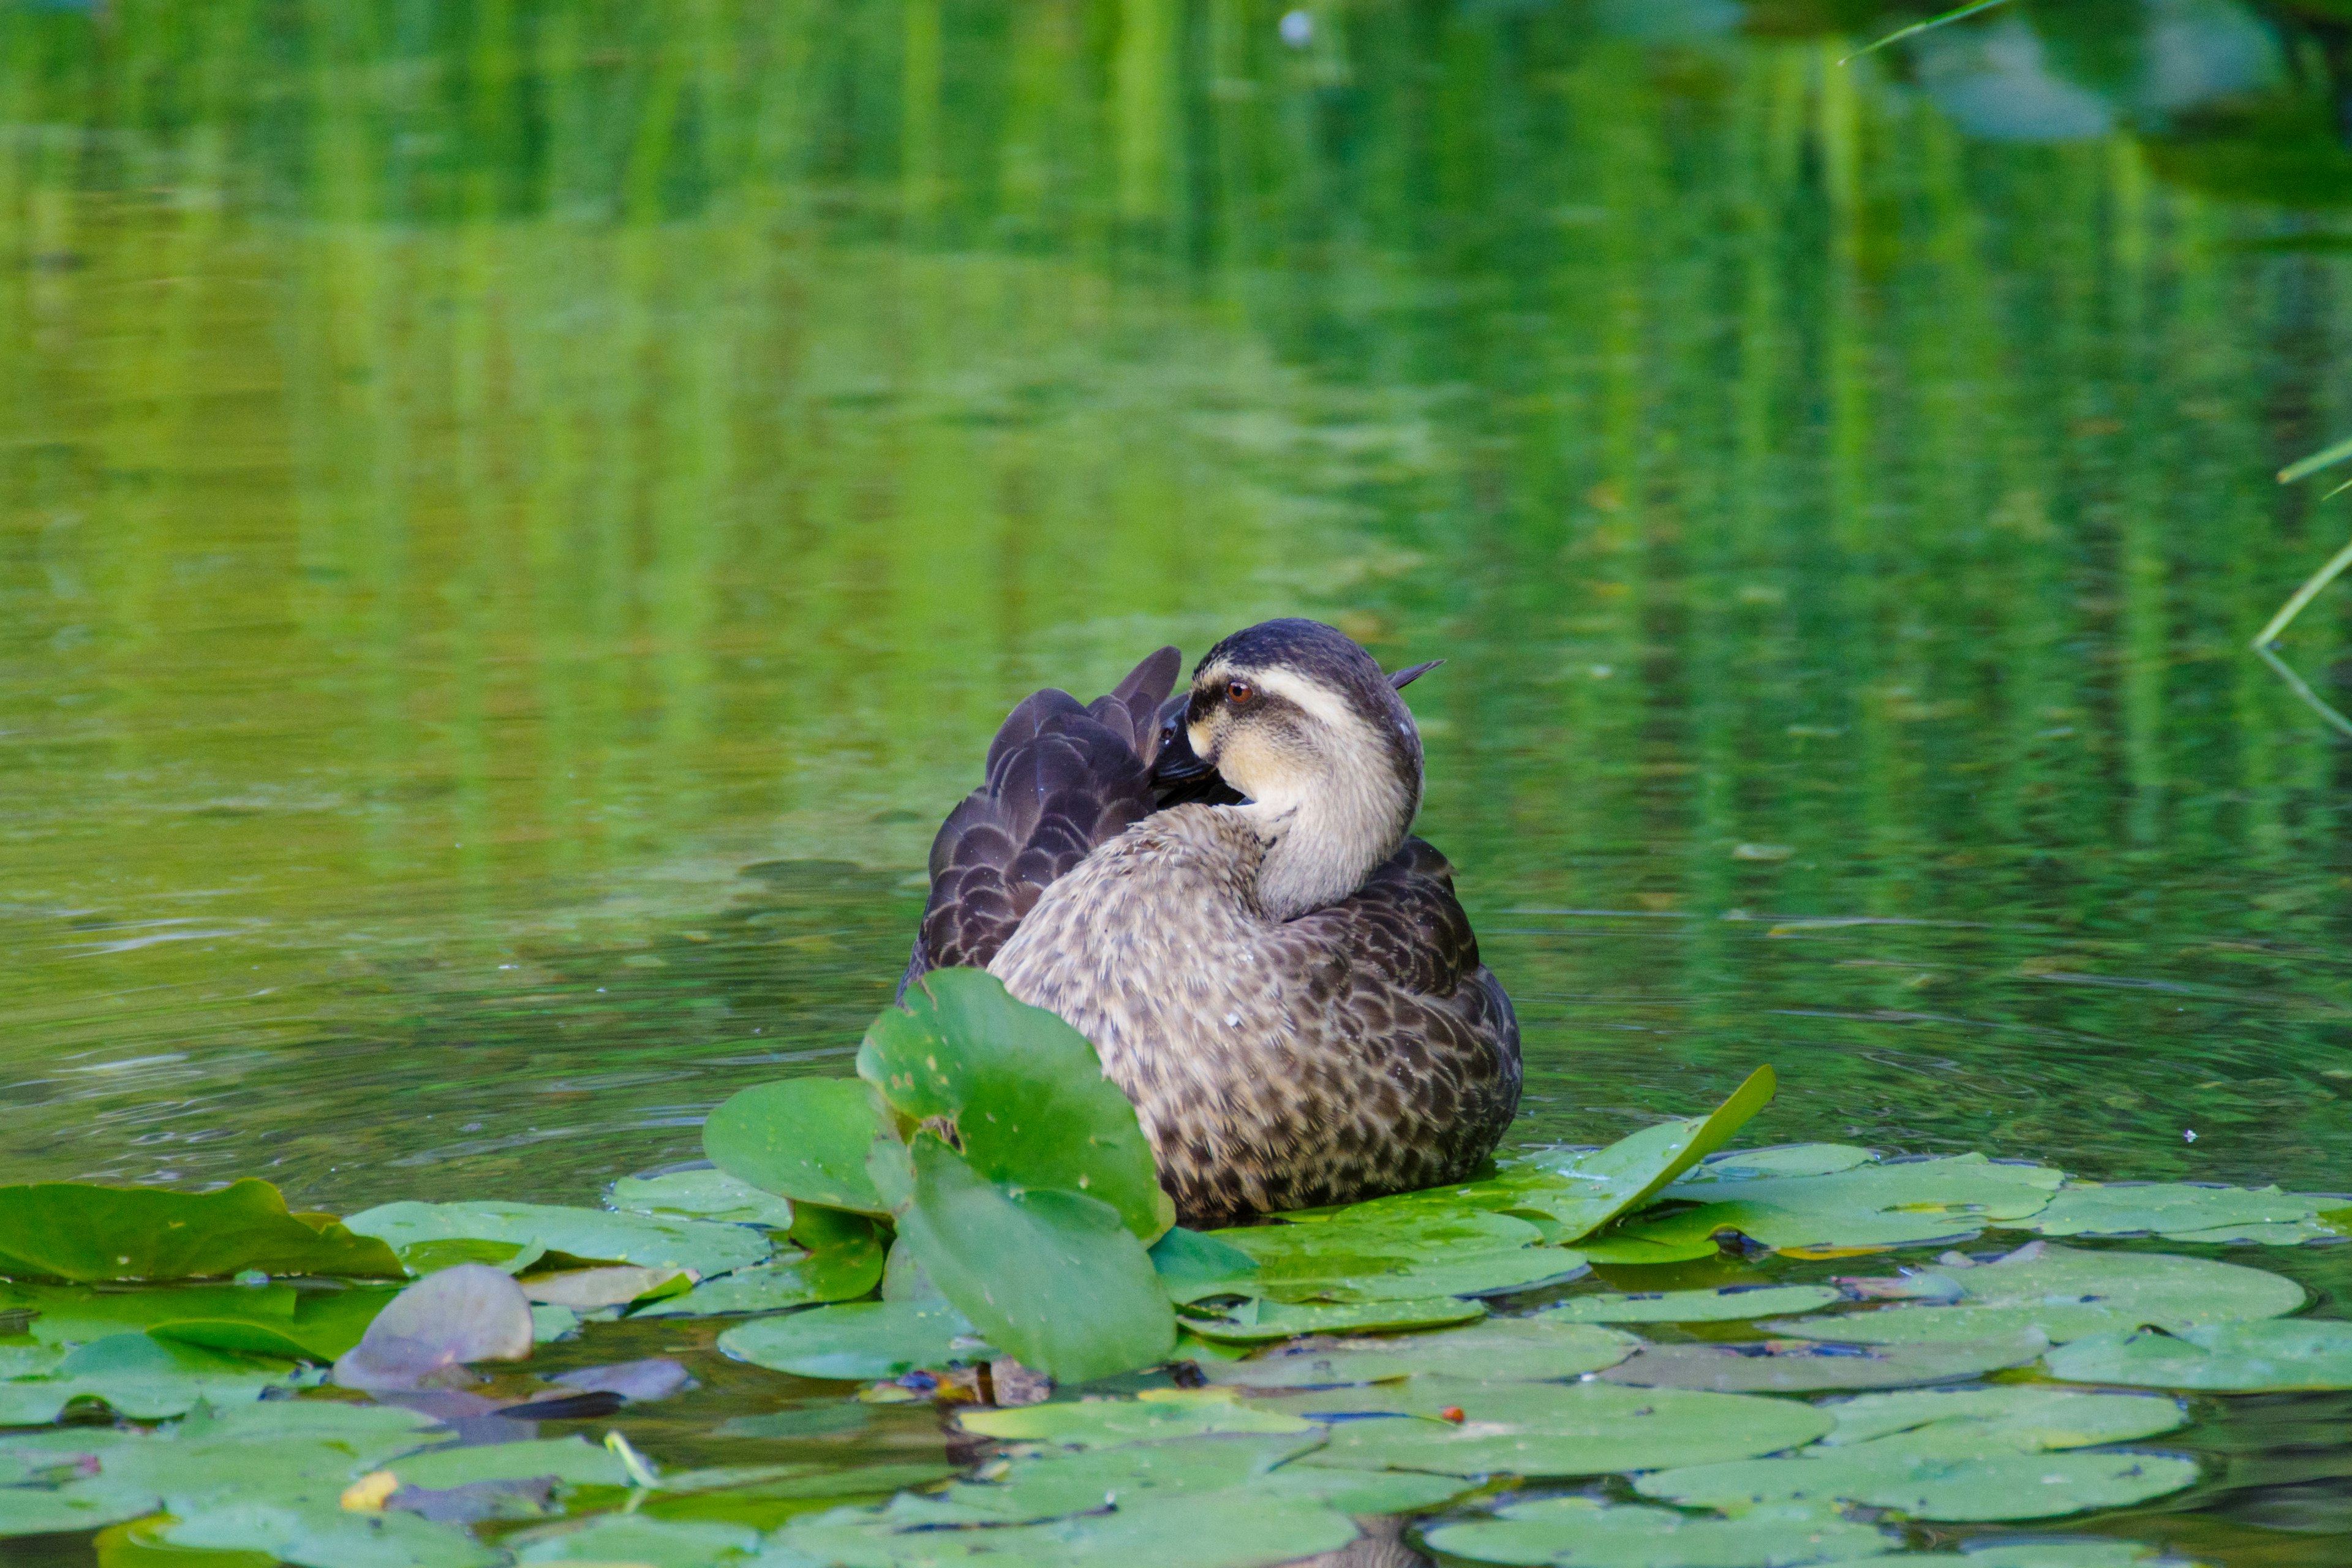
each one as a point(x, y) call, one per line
point(1727, 1303)
point(860, 1341)
point(72, 1231)
point(809, 1139)
point(1584, 1532)
point(472, 1312)
point(707, 1194)
point(594, 1236)
point(1053, 1277)
point(1023, 1090)
point(2261, 1357)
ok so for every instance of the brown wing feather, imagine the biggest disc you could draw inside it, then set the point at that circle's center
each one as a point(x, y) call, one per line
point(1062, 776)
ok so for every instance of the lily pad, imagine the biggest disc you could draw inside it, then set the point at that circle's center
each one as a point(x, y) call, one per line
point(2183, 1211)
point(1255, 1322)
point(2019, 1415)
point(1781, 1160)
point(571, 1461)
point(859, 1342)
point(1498, 1350)
point(1399, 1258)
point(1194, 1266)
point(1863, 1207)
point(1583, 1532)
point(323, 1535)
point(1784, 1366)
point(1110, 1422)
point(144, 1378)
point(73, 1231)
point(2272, 1356)
point(639, 1542)
point(1892, 1474)
point(2075, 1553)
point(1066, 1480)
point(1729, 1303)
point(2063, 1292)
point(1053, 1276)
point(1242, 1530)
point(708, 1194)
point(1023, 1090)
point(431, 1329)
point(812, 1140)
point(1548, 1429)
point(798, 1279)
point(255, 1319)
point(587, 1235)
point(607, 1285)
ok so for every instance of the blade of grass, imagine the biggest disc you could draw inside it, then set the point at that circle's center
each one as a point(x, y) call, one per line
point(2266, 643)
point(2326, 459)
point(1954, 14)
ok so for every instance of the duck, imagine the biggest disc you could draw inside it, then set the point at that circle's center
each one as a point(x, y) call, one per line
point(1220, 888)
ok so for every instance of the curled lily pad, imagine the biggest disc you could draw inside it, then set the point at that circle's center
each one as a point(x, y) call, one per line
point(1497, 1350)
point(1584, 1532)
point(1727, 1303)
point(1023, 1090)
point(1784, 1366)
point(1399, 1257)
point(2270, 1356)
point(431, 1329)
point(1255, 1322)
point(858, 1341)
point(73, 1231)
point(586, 1234)
point(1548, 1429)
point(1892, 1474)
point(813, 1139)
point(1194, 1266)
point(2184, 1211)
point(1109, 1422)
point(2063, 1292)
point(613, 1285)
point(710, 1194)
point(2018, 1416)
point(1866, 1206)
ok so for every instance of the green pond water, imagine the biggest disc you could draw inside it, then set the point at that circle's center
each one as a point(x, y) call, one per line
point(517, 518)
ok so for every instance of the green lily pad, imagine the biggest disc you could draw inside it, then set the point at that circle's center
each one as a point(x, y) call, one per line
point(1172, 1459)
point(1583, 1532)
point(2270, 1356)
point(1255, 1322)
point(1398, 1258)
point(812, 1140)
point(1799, 1367)
point(76, 1232)
point(1497, 1350)
point(859, 1342)
point(2182, 1211)
point(1892, 1474)
point(2011, 1416)
point(1053, 1276)
point(144, 1378)
point(1024, 1091)
point(1194, 1266)
point(1110, 1422)
point(71, 1506)
point(573, 1461)
point(637, 1541)
point(2063, 1292)
point(588, 1235)
point(2079, 1552)
point(1781, 1160)
point(1242, 1530)
point(1866, 1206)
point(1619, 1247)
point(1727, 1303)
point(798, 1279)
point(1548, 1429)
point(710, 1195)
point(255, 1319)
point(322, 1535)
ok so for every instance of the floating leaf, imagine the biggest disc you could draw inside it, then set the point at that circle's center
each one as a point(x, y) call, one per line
point(1781, 1160)
point(1068, 1480)
point(71, 1231)
point(585, 1289)
point(1401, 1258)
point(638, 1541)
point(1977, 1420)
point(144, 1378)
point(1242, 1530)
point(322, 1535)
point(2078, 1552)
point(1786, 1367)
point(2183, 1211)
point(587, 1235)
point(1051, 1276)
point(1255, 1321)
point(1192, 1266)
point(703, 1193)
point(73, 1506)
point(1108, 1422)
point(1549, 1429)
point(1023, 1090)
point(2060, 1291)
point(1926, 1485)
point(2274, 1356)
point(860, 1341)
point(808, 1139)
point(1725, 1304)
point(316, 1324)
point(472, 1312)
point(1498, 1350)
point(830, 1274)
point(1874, 1205)
point(571, 1461)
point(1583, 1532)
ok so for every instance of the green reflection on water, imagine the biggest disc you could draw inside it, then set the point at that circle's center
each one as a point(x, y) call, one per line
point(479, 478)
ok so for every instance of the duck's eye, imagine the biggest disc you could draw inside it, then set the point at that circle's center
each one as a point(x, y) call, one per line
point(1239, 691)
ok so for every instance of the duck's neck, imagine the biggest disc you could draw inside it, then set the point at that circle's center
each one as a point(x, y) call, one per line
point(1322, 842)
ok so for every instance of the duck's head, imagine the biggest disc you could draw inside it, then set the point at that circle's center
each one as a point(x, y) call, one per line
point(1299, 718)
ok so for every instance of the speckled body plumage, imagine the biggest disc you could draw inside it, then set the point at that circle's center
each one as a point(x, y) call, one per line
point(1277, 976)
